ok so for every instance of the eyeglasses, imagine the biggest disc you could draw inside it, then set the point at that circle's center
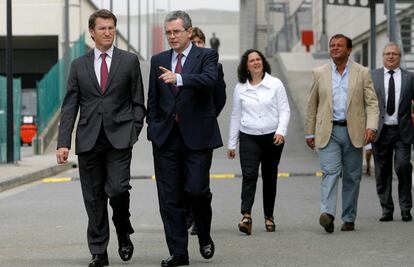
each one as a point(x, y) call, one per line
point(174, 32)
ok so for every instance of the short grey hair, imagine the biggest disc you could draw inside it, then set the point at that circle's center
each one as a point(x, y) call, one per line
point(179, 14)
point(391, 44)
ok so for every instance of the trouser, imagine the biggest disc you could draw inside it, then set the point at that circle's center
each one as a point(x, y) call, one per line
point(389, 146)
point(105, 173)
point(258, 150)
point(340, 158)
point(182, 175)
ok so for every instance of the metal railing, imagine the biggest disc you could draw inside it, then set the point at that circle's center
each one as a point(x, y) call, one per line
point(16, 118)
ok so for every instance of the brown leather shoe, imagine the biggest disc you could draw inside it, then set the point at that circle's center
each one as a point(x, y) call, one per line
point(348, 226)
point(326, 221)
point(245, 225)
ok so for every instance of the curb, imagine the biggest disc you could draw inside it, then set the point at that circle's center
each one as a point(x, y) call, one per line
point(34, 176)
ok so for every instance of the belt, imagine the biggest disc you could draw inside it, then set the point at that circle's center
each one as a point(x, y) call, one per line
point(339, 123)
point(390, 126)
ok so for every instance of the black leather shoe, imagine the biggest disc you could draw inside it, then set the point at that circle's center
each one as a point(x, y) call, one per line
point(348, 226)
point(99, 260)
point(207, 251)
point(326, 221)
point(406, 216)
point(386, 217)
point(126, 248)
point(175, 260)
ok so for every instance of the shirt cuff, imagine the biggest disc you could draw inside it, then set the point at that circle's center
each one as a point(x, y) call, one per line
point(179, 79)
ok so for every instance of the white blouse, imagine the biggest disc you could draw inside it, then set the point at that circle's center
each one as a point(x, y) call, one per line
point(259, 109)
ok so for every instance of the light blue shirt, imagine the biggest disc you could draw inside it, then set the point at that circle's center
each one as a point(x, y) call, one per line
point(174, 62)
point(339, 92)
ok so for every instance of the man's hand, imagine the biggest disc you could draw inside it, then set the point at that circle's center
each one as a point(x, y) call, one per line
point(311, 142)
point(231, 153)
point(62, 155)
point(369, 136)
point(167, 76)
point(278, 139)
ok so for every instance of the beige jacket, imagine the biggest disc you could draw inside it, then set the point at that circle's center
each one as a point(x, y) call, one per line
point(362, 105)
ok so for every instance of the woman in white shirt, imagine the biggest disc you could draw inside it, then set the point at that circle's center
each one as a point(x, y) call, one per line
point(259, 121)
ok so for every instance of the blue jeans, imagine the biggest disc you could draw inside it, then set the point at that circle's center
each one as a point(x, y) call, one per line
point(340, 158)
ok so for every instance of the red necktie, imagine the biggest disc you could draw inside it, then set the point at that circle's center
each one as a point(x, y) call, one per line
point(178, 69)
point(104, 72)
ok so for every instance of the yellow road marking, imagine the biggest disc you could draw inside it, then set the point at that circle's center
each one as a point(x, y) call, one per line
point(57, 179)
point(283, 174)
point(223, 176)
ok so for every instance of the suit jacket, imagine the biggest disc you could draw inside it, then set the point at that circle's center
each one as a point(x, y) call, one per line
point(194, 103)
point(361, 105)
point(120, 109)
point(220, 91)
point(404, 108)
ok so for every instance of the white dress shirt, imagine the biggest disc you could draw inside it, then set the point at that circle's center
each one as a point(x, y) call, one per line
point(393, 119)
point(98, 61)
point(259, 110)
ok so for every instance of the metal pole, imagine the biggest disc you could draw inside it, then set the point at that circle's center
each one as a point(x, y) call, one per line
point(286, 29)
point(391, 25)
point(139, 28)
point(148, 32)
point(153, 18)
point(324, 38)
point(9, 75)
point(373, 36)
point(128, 25)
point(67, 41)
point(111, 6)
point(268, 28)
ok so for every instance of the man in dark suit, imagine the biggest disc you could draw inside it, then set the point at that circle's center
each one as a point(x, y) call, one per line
point(395, 90)
point(183, 128)
point(106, 85)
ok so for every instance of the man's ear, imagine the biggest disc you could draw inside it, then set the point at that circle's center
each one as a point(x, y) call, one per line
point(92, 33)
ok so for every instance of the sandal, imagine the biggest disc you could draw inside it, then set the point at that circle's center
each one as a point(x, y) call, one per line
point(270, 224)
point(245, 225)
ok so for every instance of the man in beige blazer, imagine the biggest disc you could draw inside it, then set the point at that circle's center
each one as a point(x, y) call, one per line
point(342, 116)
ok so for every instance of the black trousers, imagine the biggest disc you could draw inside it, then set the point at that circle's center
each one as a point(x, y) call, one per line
point(183, 175)
point(389, 146)
point(105, 173)
point(256, 150)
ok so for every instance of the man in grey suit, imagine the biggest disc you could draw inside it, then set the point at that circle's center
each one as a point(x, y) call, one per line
point(395, 90)
point(106, 85)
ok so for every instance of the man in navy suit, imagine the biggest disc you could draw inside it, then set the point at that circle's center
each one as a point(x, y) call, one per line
point(183, 128)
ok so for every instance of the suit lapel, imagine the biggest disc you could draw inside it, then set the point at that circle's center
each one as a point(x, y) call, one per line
point(115, 62)
point(379, 77)
point(328, 84)
point(90, 57)
point(404, 78)
point(352, 78)
point(191, 60)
